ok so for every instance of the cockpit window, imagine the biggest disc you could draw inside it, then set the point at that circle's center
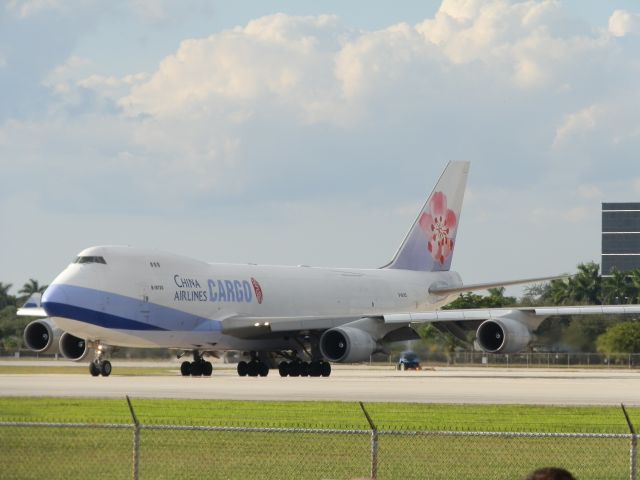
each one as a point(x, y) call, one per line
point(90, 260)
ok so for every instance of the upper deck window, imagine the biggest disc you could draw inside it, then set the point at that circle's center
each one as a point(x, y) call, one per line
point(90, 260)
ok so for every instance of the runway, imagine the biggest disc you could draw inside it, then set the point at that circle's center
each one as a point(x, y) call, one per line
point(442, 385)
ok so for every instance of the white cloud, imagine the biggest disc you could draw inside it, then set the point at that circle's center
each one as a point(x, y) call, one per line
point(290, 109)
point(154, 10)
point(62, 79)
point(111, 86)
point(276, 56)
point(579, 123)
point(577, 214)
point(590, 192)
point(27, 8)
point(622, 23)
point(213, 116)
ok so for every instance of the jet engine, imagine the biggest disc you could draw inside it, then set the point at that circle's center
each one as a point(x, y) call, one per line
point(347, 344)
point(42, 336)
point(503, 335)
point(73, 348)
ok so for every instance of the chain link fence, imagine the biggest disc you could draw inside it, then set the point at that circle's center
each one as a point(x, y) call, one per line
point(80, 450)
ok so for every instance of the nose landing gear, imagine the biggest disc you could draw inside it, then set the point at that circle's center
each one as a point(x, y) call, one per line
point(99, 365)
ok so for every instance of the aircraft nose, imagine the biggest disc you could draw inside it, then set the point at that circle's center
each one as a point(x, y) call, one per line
point(55, 297)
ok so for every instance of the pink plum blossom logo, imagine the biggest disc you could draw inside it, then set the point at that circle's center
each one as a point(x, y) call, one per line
point(439, 225)
point(257, 288)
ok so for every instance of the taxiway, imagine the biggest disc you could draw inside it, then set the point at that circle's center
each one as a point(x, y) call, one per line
point(370, 384)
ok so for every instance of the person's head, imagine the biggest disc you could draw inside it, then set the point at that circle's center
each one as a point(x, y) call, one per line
point(550, 473)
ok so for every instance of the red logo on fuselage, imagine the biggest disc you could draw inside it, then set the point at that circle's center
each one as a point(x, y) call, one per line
point(257, 289)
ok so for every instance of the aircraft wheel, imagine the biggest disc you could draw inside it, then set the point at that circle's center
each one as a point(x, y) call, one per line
point(294, 369)
point(252, 368)
point(304, 369)
point(325, 369)
point(283, 368)
point(94, 370)
point(207, 369)
point(196, 369)
point(243, 368)
point(314, 369)
point(263, 369)
point(105, 368)
point(185, 369)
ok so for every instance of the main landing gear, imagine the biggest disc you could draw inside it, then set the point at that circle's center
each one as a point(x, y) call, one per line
point(297, 368)
point(100, 366)
point(198, 368)
point(254, 368)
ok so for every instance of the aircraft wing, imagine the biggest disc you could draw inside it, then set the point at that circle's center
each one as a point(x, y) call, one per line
point(537, 313)
point(242, 325)
point(32, 308)
point(447, 290)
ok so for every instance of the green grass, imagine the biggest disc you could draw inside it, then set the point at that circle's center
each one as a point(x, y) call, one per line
point(339, 415)
point(79, 453)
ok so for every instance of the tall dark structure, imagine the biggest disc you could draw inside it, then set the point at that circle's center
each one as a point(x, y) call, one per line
point(620, 237)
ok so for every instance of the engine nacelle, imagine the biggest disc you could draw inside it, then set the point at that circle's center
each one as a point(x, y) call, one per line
point(73, 348)
point(503, 335)
point(347, 344)
point(42, 336)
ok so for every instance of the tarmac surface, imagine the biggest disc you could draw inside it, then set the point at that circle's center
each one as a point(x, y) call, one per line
point(372, 384)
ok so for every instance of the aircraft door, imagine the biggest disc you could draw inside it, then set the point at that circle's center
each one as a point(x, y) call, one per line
point(144, 310)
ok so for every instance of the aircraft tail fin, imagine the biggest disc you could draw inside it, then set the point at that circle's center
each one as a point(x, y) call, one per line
point(430, 242)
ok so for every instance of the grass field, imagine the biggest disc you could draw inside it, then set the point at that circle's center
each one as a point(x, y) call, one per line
point(336, 415)
point(43, 452)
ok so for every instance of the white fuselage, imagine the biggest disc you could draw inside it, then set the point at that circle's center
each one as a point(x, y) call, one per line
point(144, 298)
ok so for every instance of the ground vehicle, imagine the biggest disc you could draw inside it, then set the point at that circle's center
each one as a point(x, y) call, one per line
point(409, 361)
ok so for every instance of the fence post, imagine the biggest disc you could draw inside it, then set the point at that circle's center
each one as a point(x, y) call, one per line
point(374, 443)
point(633, 450)
point(136, 441)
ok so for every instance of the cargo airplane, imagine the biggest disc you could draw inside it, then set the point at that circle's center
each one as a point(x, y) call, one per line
point(307, 317)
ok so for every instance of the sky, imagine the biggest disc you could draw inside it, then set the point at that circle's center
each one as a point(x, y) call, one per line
point(306, 132)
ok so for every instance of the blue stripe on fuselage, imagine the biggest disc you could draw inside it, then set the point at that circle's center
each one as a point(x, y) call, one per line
point(93, 317)
point(120, 312)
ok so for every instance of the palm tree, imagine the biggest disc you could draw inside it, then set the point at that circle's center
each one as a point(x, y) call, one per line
point(496, 298)
point(634, 276)
point(5, 298)
point(31, 287)
point(4, 289)
point(558, 292)
point(616, 288)
point(586, 284)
